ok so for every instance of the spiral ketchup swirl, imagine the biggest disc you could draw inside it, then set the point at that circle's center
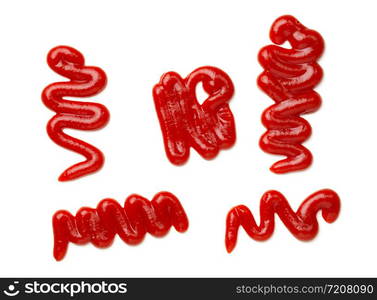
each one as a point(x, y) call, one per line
point(84, 82)
point(131, 222)
point(302, 224)
point(185, 123)
point(289, 77)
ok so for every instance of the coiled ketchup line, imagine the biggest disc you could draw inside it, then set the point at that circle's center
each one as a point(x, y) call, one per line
point(289, 77)
point(84, 82)
point(185, 123)
point(131, 222)
point(302, 224)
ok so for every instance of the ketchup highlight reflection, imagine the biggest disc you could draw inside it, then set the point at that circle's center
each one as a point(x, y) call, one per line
point(289, 77)
point(185, 123)
point(131, 222)
point(84, 82)
point(302, 224)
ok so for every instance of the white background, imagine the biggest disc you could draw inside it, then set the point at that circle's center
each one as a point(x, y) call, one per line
point(135, 42)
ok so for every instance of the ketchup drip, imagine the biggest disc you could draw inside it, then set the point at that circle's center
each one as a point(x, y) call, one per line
point(302, 224)
point(185, 123)
point(131, 222)
point(289, 77)
point(84, 82)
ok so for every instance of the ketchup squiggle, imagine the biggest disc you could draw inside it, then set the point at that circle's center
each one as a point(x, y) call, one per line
point(84, 82)
point(131, 222)
point(289, 77)
point(302, 224)
point(185, 123)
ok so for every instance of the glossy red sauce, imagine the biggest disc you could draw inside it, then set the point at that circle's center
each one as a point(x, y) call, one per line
point(289, 77)
point(83, 81)
point(131, 222)
point(302, 224)
point(185, 123)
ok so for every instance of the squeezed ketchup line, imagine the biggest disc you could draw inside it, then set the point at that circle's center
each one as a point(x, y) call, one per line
point(302, 224)
point(131, 222)
point(289, 77)
point(84, 82)
point(185, 123)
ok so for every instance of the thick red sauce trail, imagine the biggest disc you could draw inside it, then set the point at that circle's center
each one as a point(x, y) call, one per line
point(84, 82)
point(302, 224)
point(131, 222)
point(185, 123)
point(289, 77)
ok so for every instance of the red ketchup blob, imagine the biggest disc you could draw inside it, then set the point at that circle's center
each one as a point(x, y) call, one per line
point(185, 123)
point(302, 224)
point(131, 222)
point(289, 77)
point(84, 82)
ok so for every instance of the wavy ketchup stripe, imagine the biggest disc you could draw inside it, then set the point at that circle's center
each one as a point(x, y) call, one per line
point(302, 224)
point(185, 123)
point(131, 222)
point(289, 77)
point(84, 82)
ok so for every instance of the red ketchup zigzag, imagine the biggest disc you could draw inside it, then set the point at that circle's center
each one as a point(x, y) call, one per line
point(84, 82)
point(185, 123)
point(302, 224)
point(131, 222)
point(289, 77)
